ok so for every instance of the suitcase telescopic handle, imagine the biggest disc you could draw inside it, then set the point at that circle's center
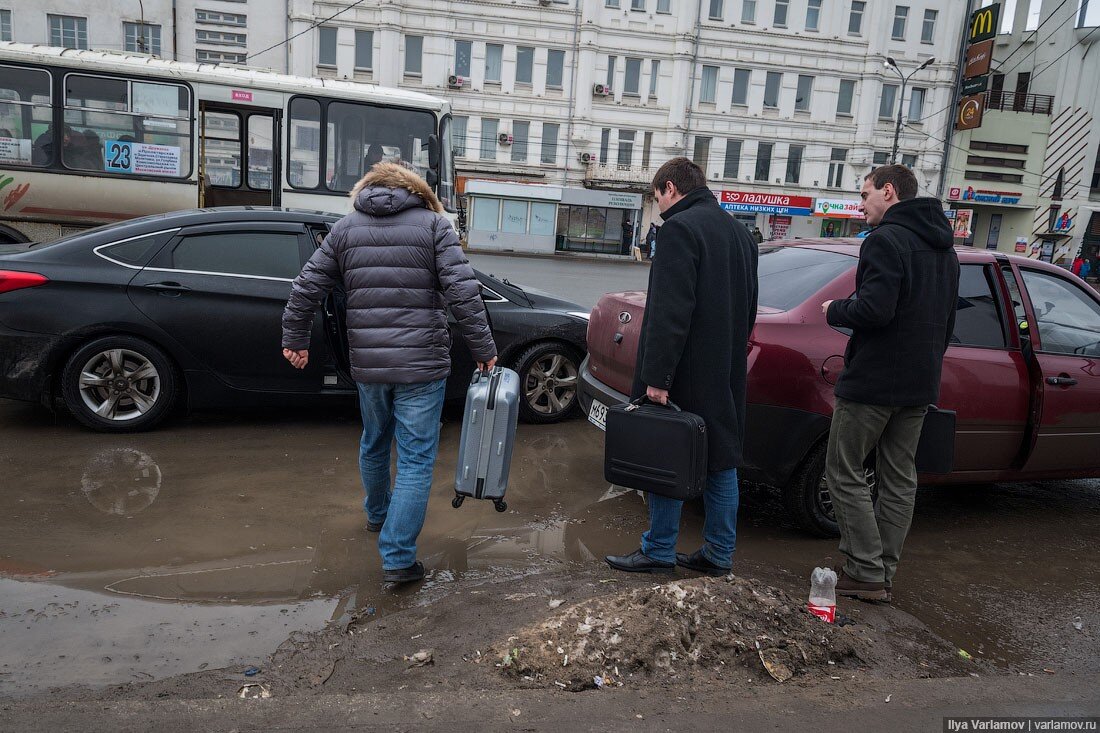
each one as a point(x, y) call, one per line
point(645, 398)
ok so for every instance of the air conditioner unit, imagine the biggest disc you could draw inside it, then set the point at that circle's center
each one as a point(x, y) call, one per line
point(587, 158)
point(601, 90)
point(456, 82)
point(545, 2)
point(505, 139)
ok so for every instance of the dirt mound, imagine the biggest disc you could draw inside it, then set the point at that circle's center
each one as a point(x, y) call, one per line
point(678, 630)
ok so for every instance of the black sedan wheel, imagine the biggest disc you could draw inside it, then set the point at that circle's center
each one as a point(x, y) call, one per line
point(548, 375)
point(119, 384)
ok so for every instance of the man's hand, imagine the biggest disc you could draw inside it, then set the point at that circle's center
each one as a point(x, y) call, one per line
point(298, 358)
point(825, 306)
point(483, 366)
point(660, 396)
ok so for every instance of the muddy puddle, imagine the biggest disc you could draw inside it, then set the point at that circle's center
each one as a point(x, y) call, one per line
point(207, 543)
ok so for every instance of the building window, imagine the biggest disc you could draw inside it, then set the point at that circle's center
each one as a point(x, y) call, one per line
point(494, 60)
point(888, 100)
point(489, 139)
point(140, 38)
point(909, 161)
point(326, 46)
point(521, 131)
point(794, 163)
point(220, 57)
point(716, 9)
point(611, 3)
point(901, 17)
point(364, 50)
point(813, 15)
point(781, 8)
point(836, 167)
point(771, 89)
point(486, 214)
point(463, 54)
point(916, 104)
point(638, 5)
point(555, 66)
point(221, 38)
point(605, 144)
point(855, 18)
point(701, 154)
point(741, 86)
point(748, 12)
point(708, 92)
point(626, 148)
point(664, 6)
point(549, 143)
point(5, 25)
point(513, 219)
point(928, 30)
point(460, 129)
point(880, 158)
point(654, 75)
point(67, 31)
point(647, 146)
point(731, 166)
point(525, 64)
point(633, 79)
point(763, 161)
point(1034, 15)
point(414, 54)
point(804, 94)
point(844, 99)
point(213, 17)
point(611, 71)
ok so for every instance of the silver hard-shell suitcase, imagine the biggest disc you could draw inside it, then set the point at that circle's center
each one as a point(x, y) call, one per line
point(488, 436)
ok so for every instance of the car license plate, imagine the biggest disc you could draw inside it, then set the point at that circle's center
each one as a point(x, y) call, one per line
point(597, 415)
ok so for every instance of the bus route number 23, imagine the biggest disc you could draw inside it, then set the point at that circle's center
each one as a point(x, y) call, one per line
point(118, 156)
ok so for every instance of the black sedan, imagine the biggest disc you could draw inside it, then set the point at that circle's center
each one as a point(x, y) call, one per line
point(126, 322)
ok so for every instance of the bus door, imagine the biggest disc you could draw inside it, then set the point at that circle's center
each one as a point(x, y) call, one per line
point(239, 155)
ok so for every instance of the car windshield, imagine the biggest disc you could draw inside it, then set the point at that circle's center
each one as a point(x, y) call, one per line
point(789, 275)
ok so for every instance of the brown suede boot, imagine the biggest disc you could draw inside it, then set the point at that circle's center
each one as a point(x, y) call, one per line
point(846, 586)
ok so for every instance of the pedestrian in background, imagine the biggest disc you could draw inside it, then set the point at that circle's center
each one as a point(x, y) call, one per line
point(700, 310)
point(401, 266)
point(651, 239)
point(1085, 270)
point(902, 317)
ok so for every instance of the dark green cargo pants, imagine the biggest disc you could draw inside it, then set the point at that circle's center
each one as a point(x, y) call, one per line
point(871, 541)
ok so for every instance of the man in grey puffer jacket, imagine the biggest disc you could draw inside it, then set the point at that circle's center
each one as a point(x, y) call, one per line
point(401, 265)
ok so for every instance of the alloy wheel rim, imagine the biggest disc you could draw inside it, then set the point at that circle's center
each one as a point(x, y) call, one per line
point(825, 500)
point(119, 385)
point(551, 384)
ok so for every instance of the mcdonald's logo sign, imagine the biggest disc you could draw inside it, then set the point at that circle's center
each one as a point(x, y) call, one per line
point(984, 23)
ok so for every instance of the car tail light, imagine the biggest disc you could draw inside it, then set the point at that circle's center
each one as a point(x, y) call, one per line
point(10, 280)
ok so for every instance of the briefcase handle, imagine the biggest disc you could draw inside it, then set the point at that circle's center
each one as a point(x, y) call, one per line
point(635, 404)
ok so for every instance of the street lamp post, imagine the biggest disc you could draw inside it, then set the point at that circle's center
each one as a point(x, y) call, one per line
point(891, 64)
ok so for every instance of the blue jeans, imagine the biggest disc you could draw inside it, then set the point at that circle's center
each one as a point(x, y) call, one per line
point(411, 413)
point(720, 499)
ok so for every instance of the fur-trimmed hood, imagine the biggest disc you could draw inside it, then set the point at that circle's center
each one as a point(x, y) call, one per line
point(389, 188)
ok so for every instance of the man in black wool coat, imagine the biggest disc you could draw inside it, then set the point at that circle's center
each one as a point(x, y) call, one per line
point(700, 312)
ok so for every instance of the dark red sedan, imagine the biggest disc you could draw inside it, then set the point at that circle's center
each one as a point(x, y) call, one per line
point(1022, 371)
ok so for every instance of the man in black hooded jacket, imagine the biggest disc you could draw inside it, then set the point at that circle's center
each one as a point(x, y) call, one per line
point(902, 317)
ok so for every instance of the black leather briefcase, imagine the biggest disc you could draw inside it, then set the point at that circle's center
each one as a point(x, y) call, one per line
point(936, 449)
point(658, 449)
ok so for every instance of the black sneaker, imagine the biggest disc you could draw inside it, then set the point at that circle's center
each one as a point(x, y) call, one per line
point(410, 574)
point(700, 564)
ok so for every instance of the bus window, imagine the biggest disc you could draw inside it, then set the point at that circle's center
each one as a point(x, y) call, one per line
point(127, 127)
point(222, 161)
point(304, 161)
point(25, 134)
point(261, 131)
point(360, 135)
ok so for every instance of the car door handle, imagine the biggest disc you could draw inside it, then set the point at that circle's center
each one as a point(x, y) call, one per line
point(168, 287)
point(1061, 381)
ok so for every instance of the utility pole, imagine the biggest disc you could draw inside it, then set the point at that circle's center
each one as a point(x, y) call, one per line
point(891, 64)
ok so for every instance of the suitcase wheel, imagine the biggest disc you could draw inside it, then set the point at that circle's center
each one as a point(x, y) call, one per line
point(501, 505)
point(457, 501)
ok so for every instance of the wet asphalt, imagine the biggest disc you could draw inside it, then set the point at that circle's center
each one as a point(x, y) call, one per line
point(208, 542)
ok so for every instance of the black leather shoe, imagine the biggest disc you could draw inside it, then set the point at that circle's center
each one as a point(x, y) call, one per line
point(700, 564)
point(374, 526)
point(639, 562)
point(410, 574)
